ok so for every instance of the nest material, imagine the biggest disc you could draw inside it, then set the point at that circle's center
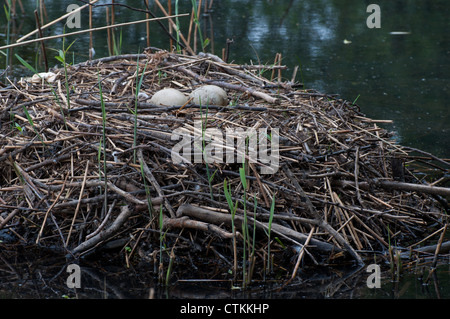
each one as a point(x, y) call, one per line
point(341, 185)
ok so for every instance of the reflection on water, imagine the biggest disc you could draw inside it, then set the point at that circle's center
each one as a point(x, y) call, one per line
point(35, 274)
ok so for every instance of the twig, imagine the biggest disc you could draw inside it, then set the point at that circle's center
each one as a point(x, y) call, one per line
point(153, 181)
point(50, 209)
point(210, 216)
point(300, 256)
point(44, 51)
point(322, 223)
point(125, 213)
point(436, 190)
point(358, 194)
point(55, 21)
point(185, 222)
point(79, 202)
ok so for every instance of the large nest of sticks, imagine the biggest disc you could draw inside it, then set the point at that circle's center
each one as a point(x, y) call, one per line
point(102, 170)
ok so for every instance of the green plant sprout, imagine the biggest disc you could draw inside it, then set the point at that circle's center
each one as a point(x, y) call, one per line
point(61, 57)
point(34, 71)
point(177, 22)
point(205, 43)
point(117, 47)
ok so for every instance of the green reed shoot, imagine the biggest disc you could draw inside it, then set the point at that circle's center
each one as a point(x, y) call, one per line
point(395, 261)
point(244, 222)
point(30, 120)
point(356, 99)
point(117, 44)
point(29, 67)
point(169, 268)
point(233, 208)
point(269, 229)
point(197, 23)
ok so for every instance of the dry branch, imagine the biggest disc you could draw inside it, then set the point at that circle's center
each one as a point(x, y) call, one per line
point(104, 235)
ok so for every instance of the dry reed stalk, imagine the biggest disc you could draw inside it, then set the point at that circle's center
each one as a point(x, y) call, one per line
point(44, 51)
point(91, 55)
point(90, 30)
point(54, 21)
point(77, 208)
point(147, 24)
point(169, 10)
point(188, 48)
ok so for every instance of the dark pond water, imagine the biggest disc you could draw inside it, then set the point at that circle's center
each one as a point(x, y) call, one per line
point(398, 72)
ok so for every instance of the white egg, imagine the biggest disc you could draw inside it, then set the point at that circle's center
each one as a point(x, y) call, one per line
point(209, 95)
point(169, 97)
point(43, 76)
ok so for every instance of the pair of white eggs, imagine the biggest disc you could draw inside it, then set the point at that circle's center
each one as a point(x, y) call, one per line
point(204, 95)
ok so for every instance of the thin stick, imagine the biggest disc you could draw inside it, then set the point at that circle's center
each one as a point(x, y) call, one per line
point(169, 5)
point(89, 30)
point(279, 69)
point(55, 21)
point(438, 247)
point(147, 24)
point(277, 56)
point(4, 221)
point(300, 255)
point(154, 183)
point(91, 54)
point(113, 34)
point(436, 253)
point(49, 210)
point(103, 224)
point(79, 202)
point(191, 22)
point(41, 9)
point(108, 39)
point(358, 194)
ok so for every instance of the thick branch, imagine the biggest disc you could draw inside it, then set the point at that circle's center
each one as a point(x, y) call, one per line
point(210, 216)
point(104, 235)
